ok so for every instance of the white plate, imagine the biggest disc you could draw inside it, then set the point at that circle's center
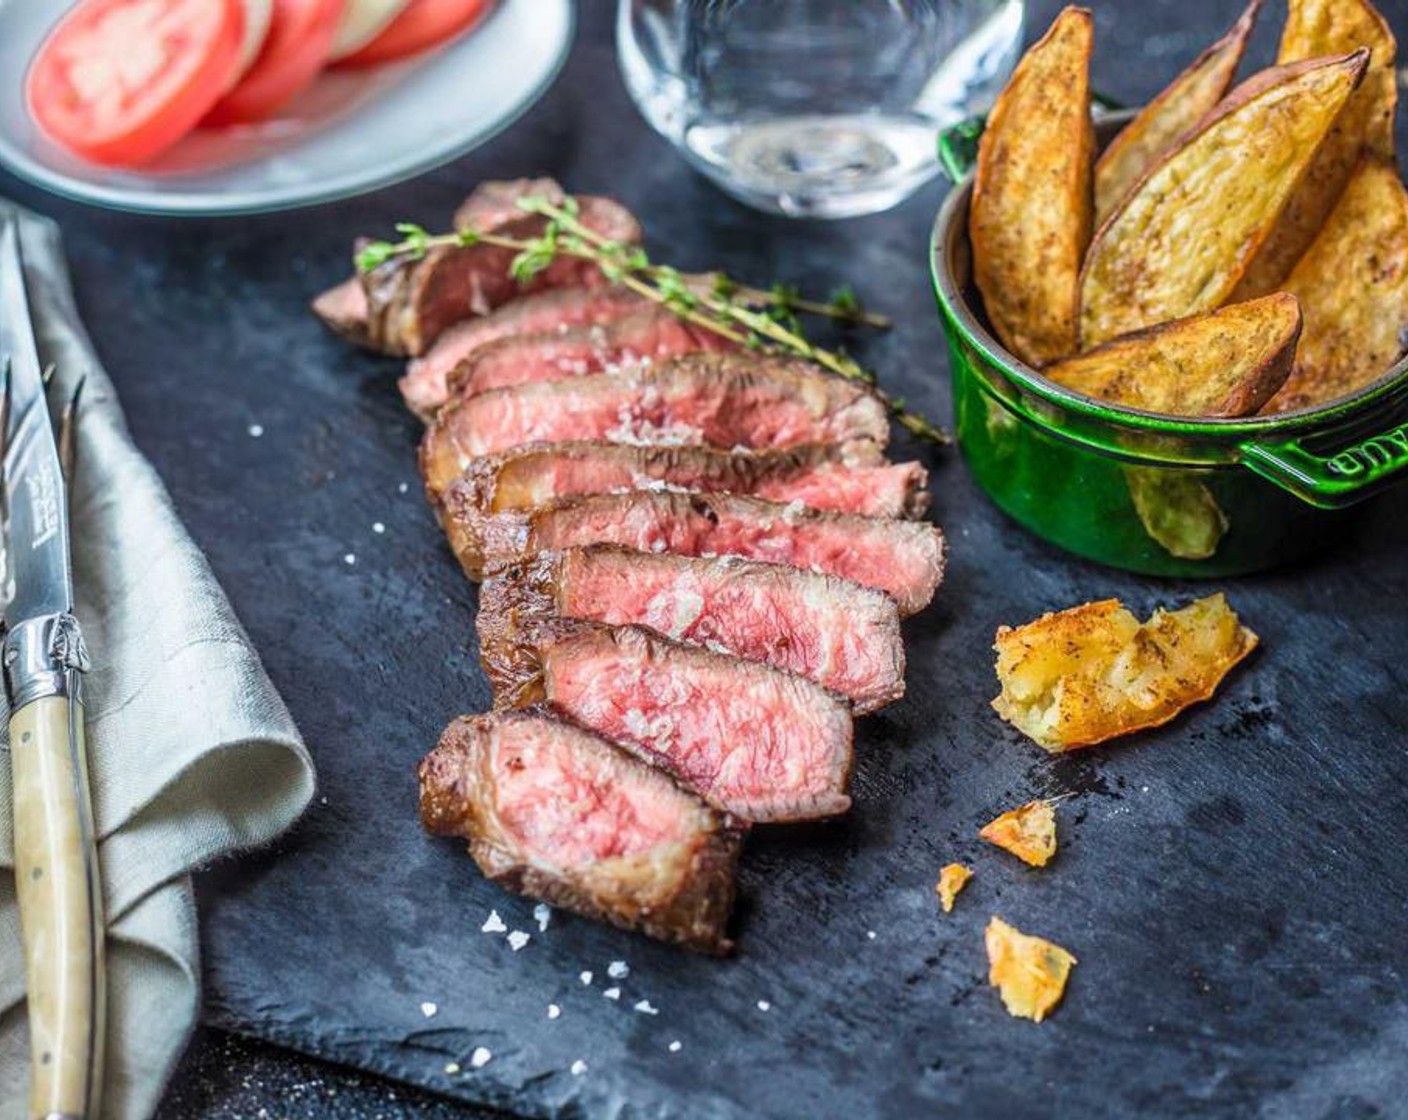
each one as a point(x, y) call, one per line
point(354, 131)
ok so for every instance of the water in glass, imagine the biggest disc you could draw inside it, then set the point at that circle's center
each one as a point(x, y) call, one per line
point(816, 108)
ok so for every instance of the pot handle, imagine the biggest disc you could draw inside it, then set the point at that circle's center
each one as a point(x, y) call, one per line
point(1337, 479)
point(958, 144)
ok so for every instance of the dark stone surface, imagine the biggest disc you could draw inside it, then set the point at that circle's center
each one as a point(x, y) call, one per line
point(1234, 885)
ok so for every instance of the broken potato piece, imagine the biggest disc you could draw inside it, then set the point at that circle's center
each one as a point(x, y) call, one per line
point(1182, 240)
point(1028, 832)
point(953, 878)
point(1033, 210)
point(1227, 362)
point(1094, 672)
point(1029, 973)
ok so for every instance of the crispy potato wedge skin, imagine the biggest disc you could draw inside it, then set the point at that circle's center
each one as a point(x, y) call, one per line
point(1353, 288)
point(1032, 209)
point(1174, 113)
point(1029, 972)
point(1227, 362)
point(953, 877)
point(1182, 240)
point(1094, 672)
point(1315, 28)
point(1028, 832)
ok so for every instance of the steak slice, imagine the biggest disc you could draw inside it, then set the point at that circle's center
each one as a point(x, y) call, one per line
point(846, 478)
point(409, 302)
point(424, 386)
point(649, 334)
point(755, 742)
point(720, 400)
point(557, 813)
point(905, 559)
point(843, 636)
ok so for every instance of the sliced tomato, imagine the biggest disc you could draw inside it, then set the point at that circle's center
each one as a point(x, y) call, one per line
point(362, 22)
point(120, 81)
point(257, 14)
point(424, 24)
point(295, 51)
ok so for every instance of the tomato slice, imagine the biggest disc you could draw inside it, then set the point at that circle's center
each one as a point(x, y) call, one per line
point(294, 53)
point(120, 81)
point(424, 24)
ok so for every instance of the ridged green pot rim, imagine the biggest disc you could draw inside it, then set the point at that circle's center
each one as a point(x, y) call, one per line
point(1273, 446)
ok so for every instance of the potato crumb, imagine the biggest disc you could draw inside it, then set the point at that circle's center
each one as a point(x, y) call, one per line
point(1029, 973)
point(1028, 832)
point(952, 879)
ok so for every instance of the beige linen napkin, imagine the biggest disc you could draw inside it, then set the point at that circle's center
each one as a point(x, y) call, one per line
point(193, 753)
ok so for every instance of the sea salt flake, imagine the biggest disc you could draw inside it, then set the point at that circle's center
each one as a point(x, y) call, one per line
point(350, 558)
point(493, 924)
point(452, 1067)
point(676, 1046)
point(517, 939)
point(579, 1067)
point(542, 914)
point(481, 1057)
point(428, 1009)
point(378, 527)
point(401, 489)
point(586, 978)
point(645, 1008)
point(256, 430)
point(764, 1005)
point(618, 970)
point(612, 993)
point(870, 934)
point(554, 1011)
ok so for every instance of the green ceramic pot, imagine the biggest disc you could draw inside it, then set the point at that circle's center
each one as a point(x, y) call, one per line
point(1167, 496)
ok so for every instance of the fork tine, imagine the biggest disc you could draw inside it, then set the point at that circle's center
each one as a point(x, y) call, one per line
point(68, 431)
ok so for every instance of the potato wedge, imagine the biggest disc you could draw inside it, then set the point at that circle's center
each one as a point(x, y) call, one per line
point(1227, 362)
point(1032, 209)
point(1180, 243)
point(1353, 288)
point(1170, 116)
point(1315, 28)
point(1094, 672)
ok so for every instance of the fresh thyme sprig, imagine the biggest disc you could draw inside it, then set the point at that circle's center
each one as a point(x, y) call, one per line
point(750, 317)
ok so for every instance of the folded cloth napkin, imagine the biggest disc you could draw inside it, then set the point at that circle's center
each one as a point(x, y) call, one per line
point(193, 753)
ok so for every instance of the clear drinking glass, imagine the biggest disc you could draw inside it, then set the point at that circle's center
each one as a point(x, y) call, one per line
point(814, 108)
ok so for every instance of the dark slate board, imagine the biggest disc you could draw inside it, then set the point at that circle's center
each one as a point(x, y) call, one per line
point(1234, 885)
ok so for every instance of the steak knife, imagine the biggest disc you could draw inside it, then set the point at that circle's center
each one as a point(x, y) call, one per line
point(56, 867)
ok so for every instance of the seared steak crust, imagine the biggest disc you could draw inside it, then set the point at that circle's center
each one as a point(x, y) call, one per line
point(650, 334)
point(557, 813)
point(905, 559)
point(843, 636)
point(410, 302)
point(718, 400)
point(760, 744)
point(424, 387)
point(844, 478)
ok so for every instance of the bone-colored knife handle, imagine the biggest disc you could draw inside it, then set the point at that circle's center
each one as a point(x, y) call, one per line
point(61, 912)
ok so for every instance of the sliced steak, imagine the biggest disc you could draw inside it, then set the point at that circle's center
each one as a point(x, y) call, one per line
point(719, 400)
point(649, 334)
point(555, 812)
point(846, 478)
point(424, 385)
point(905, 559)
point(410, 302)
point(760, 744)
point(841, 635)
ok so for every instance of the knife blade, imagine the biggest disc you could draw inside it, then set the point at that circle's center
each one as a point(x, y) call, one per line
point(56, 869)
